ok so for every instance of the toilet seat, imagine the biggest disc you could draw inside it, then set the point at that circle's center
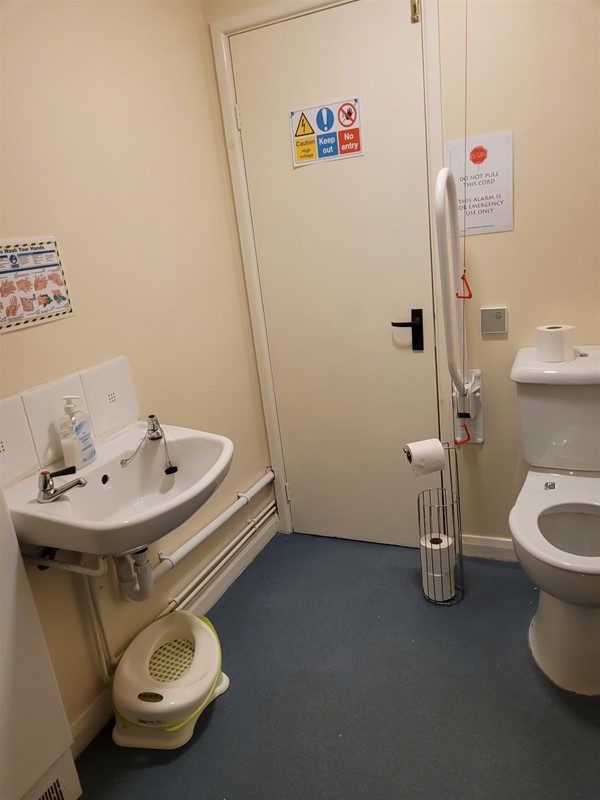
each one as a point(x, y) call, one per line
point(158, 681)
point(524, 525)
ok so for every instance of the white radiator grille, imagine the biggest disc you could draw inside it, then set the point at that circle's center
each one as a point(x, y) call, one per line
point(53, 792)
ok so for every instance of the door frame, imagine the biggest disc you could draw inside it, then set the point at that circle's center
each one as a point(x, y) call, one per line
point(274, 12)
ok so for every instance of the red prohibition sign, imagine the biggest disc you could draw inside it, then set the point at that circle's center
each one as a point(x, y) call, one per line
point(478, 155)
point(347, 114)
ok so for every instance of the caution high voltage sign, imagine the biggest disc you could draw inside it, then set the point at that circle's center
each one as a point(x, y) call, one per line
point(330, 131)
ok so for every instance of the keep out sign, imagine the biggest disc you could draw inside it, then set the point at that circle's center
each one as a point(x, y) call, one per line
point(329, 131)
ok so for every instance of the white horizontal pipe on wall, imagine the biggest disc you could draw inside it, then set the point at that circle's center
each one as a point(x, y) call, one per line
point(185, 598)
point(168, 562)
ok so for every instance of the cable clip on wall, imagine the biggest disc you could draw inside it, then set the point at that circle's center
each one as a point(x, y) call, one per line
point(467, 384)
point(440, 528)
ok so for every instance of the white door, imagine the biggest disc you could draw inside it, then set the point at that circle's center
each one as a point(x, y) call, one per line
point(343, 249)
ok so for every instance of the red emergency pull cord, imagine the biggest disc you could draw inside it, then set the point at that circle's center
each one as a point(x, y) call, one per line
point(463, 425)
point(469, 294)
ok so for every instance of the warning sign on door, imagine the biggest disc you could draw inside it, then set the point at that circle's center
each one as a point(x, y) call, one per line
point(330, 131)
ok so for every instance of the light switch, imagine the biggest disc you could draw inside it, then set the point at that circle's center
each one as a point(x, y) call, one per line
point(494, 320)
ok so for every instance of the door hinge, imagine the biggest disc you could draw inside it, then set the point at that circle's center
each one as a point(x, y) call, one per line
point(287, 493)
point(238, 117)
point(415, 10)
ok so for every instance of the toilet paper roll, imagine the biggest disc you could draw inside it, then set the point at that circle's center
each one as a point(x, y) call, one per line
point(554, 343)
point(425, 456)
point(438, 558)
point(439, 588)
point(438, 554)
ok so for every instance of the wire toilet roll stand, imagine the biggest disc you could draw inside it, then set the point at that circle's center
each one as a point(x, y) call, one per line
point(440, 537)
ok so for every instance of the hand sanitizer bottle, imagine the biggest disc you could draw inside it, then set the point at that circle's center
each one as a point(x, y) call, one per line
point(76, 438)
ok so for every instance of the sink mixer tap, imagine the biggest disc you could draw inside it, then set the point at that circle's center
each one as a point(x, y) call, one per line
point(48, 492)
point(153, 432)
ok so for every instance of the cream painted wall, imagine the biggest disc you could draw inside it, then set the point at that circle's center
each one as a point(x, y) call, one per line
point(533, 67)
point(111, 135)
point(111, 139)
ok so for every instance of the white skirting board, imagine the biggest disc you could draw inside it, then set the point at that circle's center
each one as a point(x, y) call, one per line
point(98, 714)
point(493, 547)
point(89, 724)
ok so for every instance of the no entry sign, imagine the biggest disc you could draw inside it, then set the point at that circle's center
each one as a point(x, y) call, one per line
point(329, 131)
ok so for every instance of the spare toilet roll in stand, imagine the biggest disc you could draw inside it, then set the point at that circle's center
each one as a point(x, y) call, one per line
point(438, 562)
point(440, 533)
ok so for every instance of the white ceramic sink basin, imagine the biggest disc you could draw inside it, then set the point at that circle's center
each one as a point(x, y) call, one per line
point(124, 508)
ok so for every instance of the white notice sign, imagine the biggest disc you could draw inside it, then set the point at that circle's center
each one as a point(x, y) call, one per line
point(482, 168)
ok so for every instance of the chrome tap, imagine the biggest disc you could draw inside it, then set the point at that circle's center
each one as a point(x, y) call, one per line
point(48, 492)
point(154, 430)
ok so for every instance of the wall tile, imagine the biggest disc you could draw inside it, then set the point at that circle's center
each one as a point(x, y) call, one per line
point(110, 395)
point(44, 407)
point(18, 457)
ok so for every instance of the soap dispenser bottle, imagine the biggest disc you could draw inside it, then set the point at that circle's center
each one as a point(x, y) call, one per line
point(76, 438)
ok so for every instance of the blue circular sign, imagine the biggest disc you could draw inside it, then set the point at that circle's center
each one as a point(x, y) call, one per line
point(325, 119)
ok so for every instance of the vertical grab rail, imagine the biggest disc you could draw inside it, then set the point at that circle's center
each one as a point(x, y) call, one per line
point(446, 201)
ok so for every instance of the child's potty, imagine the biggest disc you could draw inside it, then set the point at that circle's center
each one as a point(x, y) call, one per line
point(164, 681)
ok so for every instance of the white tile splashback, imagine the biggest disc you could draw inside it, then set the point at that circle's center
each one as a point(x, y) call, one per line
point(111, 397)
point(44, 407)
point(17, 453)
point(29, 439)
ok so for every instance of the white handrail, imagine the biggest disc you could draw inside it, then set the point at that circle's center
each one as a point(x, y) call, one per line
point(446, 201)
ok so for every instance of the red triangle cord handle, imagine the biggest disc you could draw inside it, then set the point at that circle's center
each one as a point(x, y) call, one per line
point(469, 294)
point(463, 425)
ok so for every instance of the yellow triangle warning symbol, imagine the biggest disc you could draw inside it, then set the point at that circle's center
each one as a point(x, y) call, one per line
point(304, 127)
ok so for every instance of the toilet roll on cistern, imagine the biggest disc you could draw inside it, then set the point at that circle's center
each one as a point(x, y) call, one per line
point(553, 343)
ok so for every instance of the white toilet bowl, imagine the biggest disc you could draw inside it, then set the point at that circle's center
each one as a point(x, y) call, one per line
point(555, 525)
point(165, 679)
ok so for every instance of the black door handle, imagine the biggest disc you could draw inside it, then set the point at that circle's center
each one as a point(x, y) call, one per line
point(416, 326)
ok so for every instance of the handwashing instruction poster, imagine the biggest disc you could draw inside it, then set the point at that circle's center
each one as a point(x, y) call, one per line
point(326, 133)
point(33, 287)
point(483, 170)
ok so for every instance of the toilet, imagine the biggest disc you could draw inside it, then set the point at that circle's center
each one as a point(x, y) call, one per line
point(555, 523)
point(164, 681)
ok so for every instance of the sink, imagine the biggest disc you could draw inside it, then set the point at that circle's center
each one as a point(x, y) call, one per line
point(124, 508)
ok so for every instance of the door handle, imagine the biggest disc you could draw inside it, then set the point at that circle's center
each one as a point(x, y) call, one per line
point(416, 326)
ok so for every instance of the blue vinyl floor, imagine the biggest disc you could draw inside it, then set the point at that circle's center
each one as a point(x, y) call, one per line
point(347, 685)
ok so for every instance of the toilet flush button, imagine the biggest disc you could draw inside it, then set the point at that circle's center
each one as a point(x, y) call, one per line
point(549, 485)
